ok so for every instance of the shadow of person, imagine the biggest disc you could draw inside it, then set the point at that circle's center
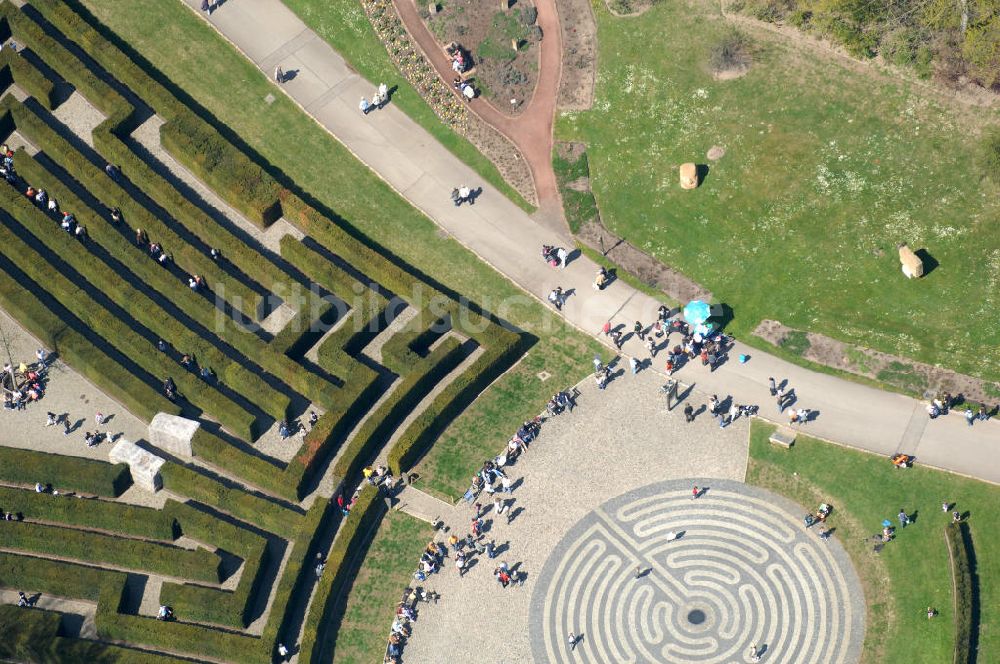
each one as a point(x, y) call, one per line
point(290, 75)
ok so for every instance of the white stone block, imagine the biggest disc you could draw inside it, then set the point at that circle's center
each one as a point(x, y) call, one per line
point(173, 434)
point(144, 466)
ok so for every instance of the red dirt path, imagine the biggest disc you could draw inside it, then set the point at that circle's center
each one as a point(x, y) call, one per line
point(531, 131)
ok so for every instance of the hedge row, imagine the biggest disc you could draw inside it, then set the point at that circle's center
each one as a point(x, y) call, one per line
point(199, 565)
point(378, 427)
point(320, 634)
point(172, 636)
point(15, 69)
point(244, 184)
point(95, 365)
point(239, 181)
point(200, 309)
point(122, 518)
point(65, 473)
point(116, 332)
point(274, 518)
point(298, 573)
point(32, 635)
point(55, 577)
point(256, 471)
point(959, 543)
point(209, 605)
point(448, 405)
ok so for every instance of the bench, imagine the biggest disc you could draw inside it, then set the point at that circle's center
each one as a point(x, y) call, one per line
point(783, 438)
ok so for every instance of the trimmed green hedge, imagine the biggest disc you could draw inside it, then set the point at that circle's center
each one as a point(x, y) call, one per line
point(113, 329)
point(255, 471)
point(320, 631)
point(449, 404)
point(378, 427)
point(65, 473)
point(28, 78)
point(211, 605)
point(959, 544)
point(239, 181)
point(115, 517)
point(199, 565)
point(55, 577)
point(298, 574)
point(269, 516)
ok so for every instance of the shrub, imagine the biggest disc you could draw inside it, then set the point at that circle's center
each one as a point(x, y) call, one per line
point(28, 78)
point(732, 51)
point(527, 16)
point(320, 630)
point(199, 565)
point(989, 159)
point(104, 514)
point(272, 517)
point(959, 550)
point(65, 473)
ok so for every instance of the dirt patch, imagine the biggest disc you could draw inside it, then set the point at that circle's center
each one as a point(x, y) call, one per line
point(730, 74)
point(912, 377)
point(716, 152)
point(580, 184)
point(504, 155)
point(624, 8)
point(644, 267)
point(579, 58)
point(490, 34)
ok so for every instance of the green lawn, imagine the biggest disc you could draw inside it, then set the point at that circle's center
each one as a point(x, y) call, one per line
point(216, 76)
point(826, 170)
point(344, 25)
point(912, 572)
point(371, 603)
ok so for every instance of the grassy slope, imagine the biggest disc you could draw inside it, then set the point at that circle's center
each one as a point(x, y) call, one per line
point(824, 168)
point(344, 25)
point(232, 89)
point(913, 571)
point(371, 602)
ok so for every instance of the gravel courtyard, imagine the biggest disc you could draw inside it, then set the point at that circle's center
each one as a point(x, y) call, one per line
point(613, 442)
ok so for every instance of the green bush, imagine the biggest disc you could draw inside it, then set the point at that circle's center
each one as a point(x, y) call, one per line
point(65, 473)
point(256, 472)
point(199, 565)
point(320, 629)
point(449, 403)
point(122, 518)
point(28, 78)
point(959, 544)
point(732, 51)
point(210, 605)
point(185, 481)
point(378, 427)
point(240, 182)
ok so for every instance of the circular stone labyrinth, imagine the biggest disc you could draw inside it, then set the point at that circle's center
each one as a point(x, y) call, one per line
point(741, 570)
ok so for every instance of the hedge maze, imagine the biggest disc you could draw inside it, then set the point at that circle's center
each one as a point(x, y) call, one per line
point(296, 314)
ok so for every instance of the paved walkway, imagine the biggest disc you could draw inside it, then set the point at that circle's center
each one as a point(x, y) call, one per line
point(531, 131)
point(424, 172)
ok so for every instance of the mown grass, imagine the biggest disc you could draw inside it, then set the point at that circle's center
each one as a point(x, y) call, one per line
point(913, 571)
point(826, 170)
point(343, 24)
point(232, 89)
point(371, 603)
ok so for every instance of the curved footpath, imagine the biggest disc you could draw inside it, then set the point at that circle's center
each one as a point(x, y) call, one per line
point(503, 235)
point(531, 131)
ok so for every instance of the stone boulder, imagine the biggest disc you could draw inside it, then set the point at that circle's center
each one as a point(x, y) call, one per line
point(173, 434)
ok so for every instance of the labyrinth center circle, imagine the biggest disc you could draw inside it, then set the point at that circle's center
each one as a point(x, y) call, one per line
point(656, 576)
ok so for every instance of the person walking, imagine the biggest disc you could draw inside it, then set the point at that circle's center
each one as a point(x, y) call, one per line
point(556, 297)
point(969, 416)
point(904, 519)
point(50, 419)
point(713, 404)
point(383, 94)
point(99, 418)
point(279, 75)
point(616, 338)
point(66, 426)
point(772, 386)
point(364, 106)
point(688, 413)
point(695, 492)
point(633, 364)
point(572, 639)
point(639, 330)
point(779, 396)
